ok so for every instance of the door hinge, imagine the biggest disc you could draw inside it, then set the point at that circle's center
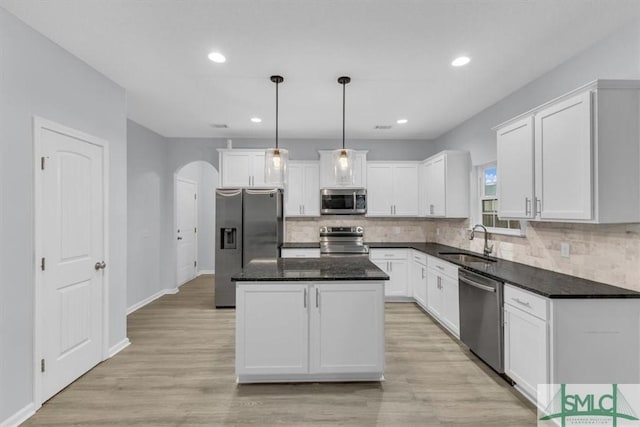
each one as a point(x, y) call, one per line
point(195, 197)
point(42, 264)
point(195, 263)
point(41, 365)
point(195, 229)
point(42, 163)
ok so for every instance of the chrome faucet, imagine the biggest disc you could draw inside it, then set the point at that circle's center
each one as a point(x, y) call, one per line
point(487, 249)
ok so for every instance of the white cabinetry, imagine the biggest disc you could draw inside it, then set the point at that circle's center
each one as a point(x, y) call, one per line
point(241, 168)
point(302, 191)
point(392, 189)
point(394, 262)
point(570, 341)
point(574, 159)
point(444, 185)
point(419, 278)
point(327, 175)
point(442, 293)
point(309, 331)
point(300, 253)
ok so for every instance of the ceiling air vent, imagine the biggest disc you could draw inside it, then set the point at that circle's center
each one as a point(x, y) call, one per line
point(219, 126)
point(382, 127)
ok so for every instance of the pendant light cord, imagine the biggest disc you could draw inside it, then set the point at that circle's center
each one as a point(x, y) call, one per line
point(343, 111)
point(277, 84)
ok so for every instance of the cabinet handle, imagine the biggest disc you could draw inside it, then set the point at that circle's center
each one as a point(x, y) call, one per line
point(439, 267)
point(538, 209)
point(394, 210)
point(390, 267)
point(527, 206)
point(431, 209)
point(317, 298)
point(519, 301)
point(439, 285)
point(302, 209)
point(422, 272)
point(249, 180)
point(391, 209)
point(305, 297)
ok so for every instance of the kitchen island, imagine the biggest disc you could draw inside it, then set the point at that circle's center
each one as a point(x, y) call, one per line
point(312, 319)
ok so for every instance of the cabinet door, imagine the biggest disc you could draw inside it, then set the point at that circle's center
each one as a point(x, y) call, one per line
point(525, 349)
point(359, 171)
point(450, 313)
point(434, 295)
point(405, 190)
point(347, 328)
point(419, 283)
point(515, 170)
point(236, 169)
point(311, 191)
point(436, 187)
point(399, 273)
point(257, 169)
point(380, 190)
point(272, 329)
point(294, 197)
point(564, 159)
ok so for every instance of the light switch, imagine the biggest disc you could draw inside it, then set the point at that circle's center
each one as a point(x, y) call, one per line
point(565, 249)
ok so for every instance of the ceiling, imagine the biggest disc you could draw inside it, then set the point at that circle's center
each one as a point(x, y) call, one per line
point(398, 53)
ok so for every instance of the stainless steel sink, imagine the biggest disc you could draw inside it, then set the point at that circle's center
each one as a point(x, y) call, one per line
point(465, 257)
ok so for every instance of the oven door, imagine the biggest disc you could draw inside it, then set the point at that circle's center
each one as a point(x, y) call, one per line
point(343, 202)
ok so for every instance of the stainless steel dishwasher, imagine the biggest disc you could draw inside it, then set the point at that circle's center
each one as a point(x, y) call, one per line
point(481, 317)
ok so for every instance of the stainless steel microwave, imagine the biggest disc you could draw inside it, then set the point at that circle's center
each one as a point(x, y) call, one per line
point(343, 201)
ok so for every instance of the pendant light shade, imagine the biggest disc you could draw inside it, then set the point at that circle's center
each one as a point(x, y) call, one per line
point(343, 158)
point(276, 159)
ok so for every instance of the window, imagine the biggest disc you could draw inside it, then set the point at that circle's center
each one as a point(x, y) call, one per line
point(488, 203)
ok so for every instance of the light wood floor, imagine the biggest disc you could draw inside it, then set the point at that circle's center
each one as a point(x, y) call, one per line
point(179, 371)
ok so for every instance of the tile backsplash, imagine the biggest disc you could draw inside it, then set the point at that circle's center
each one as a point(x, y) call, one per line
point(604, 253)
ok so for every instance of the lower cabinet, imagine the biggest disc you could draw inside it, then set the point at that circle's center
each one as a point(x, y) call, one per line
point(418, 280)
point(309, 332)
point(442, 293)
point(394, 262)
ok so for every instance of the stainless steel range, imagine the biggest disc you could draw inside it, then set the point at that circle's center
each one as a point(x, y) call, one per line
point(343, 241)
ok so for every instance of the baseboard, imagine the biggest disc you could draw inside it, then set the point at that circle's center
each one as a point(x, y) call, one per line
point(19, 417)
point(201, 272)
point(119, 347)
point(172, 291)
point(148, 300)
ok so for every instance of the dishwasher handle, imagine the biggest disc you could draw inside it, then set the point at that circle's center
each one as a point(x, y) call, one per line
point(477, 285)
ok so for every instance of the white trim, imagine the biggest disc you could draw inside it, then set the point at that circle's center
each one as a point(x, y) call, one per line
point(172, 291)
point(201, 272)
point(38, 124)
point(147, 300)
point(119, 347)
point(19, 417)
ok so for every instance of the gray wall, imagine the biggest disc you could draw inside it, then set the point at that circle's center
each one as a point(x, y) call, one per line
point(616, 57)
point(39, 78)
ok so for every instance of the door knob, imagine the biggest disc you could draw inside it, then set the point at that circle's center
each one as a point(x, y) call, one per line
point(100, 265)
point(179, 238)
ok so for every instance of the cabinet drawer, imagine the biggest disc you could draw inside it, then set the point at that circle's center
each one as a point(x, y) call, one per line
point(300, 253)
point(526, 301)
point(419, 257)
point(443, 267)
point(387, 253)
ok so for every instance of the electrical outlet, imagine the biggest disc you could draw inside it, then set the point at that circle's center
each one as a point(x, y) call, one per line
point(565, 249)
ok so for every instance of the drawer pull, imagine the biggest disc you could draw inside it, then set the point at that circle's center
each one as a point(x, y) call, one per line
point(439, 267)
point(519, 301)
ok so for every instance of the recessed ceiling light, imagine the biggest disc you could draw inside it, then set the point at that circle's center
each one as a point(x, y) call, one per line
point(460, 61)
point(256, 119)
point(401, 121)
point(217, 57)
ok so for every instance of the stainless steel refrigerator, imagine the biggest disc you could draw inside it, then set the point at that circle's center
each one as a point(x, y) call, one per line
point(248, 226)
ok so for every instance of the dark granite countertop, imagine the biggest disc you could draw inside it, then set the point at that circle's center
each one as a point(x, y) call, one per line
point(310, 269)
point(300, 245)
point(537, 280)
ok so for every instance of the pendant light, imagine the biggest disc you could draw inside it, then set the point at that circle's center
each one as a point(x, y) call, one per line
point(343, 158)
point(276, 159)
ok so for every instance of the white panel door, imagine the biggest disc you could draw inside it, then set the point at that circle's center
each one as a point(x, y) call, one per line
point(294, 197)
point(405, 190)
point(257, 169)
point(73, 249)
point(379, 190)
point(564, 179)
point(515, 170)
point(436, 187)
point(236, 169)
point(347, 328)
point(272, 329)
point(186, 233)
point(311, 192)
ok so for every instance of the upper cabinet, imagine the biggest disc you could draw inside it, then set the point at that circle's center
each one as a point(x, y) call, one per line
point(444, 185)
point(327, 175)
point(302, 191)
point(241, 168)
point(392, 189)
point(574, 159)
